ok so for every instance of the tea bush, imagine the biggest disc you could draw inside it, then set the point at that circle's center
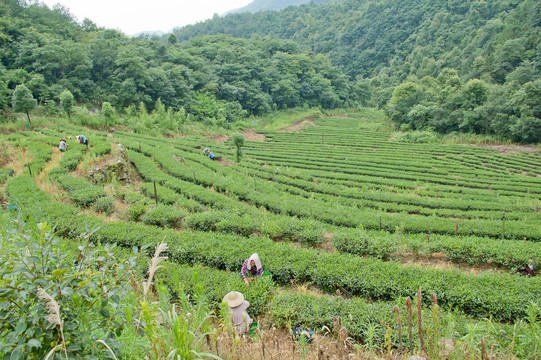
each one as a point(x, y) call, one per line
point(4, 174)
point(164, 216)
point(104, 205)
point(134, 212)
point(502, 296)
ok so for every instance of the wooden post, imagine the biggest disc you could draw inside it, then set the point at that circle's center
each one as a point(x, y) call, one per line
point(427, 239)
point(503, 226)
point(380, 222)
point(155, 193)
point(29, 170)
point(456, 230)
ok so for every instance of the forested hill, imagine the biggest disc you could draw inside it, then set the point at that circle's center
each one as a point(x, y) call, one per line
point(446, 65)
point(411, 36)
point(212, 78)
point(262, 5)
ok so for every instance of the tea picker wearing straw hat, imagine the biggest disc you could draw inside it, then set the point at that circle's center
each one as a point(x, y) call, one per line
point(237, 309)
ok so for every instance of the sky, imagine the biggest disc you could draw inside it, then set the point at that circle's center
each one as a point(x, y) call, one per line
point(134, 16)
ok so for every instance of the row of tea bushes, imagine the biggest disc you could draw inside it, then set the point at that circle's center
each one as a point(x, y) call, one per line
point(502, 296)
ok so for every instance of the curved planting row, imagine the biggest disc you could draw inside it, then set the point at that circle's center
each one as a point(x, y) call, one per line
point(262, 193)
point(379, 187)
point(501, 296)
point(306, 162)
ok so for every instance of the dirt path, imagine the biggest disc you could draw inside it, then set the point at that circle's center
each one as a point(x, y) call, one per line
point(18, 157)
point(436, 261)
point(252, 135)
point(42, 180)
point(510, 149)
point(298, 125)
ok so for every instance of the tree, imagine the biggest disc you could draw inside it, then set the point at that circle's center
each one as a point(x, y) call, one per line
point(238, 140)
point(405, 96)
point(107, 111)
point(23, 101)
point(67, 102)
point(172, 39)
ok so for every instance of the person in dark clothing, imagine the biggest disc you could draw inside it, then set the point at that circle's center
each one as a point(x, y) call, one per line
point(82, 139)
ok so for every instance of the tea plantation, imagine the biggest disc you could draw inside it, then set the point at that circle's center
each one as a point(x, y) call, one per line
point(348, 221)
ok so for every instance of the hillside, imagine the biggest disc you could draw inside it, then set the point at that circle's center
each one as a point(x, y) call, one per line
point(437, 50)
point(214, 78)
point(413, 37)
point(274, 5)
point(348, 220)
point(441, 66)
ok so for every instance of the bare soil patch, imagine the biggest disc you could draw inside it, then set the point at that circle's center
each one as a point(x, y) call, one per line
point(226, 162)
point(250, 134)
point(274, 343)
point(218, 138)
point(17, 158)
point(438, 261)
point(510, 149)
point(298, 126)
point(345, 116)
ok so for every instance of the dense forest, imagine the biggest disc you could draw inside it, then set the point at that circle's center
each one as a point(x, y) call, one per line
point(444, 65)
point(216, 77)
point(447, 65)
point(262, 5)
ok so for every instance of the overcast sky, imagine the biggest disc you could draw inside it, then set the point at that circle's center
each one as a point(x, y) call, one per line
point(133, 16)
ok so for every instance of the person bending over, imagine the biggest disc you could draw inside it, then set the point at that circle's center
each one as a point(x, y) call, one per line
point(251, 269)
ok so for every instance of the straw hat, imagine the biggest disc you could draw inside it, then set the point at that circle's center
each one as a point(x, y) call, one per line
point(234, 299)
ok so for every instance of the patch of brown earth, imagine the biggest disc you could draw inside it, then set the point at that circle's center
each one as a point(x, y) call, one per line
point(17, 158)
point(250, 134)
point(275, 343)
point(218, 138)
point(226, 162)
point(56, 155)
point(438, 261)
point(345, 116)
point(298, 126)
point(326, 246)
point(510, 149)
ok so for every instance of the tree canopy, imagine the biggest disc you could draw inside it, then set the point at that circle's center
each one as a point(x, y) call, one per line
point(465, 66)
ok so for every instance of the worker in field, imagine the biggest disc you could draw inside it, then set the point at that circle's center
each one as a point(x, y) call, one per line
point(82, 139)
point(251, 269)
point(62, 146)
point(237, 309)
point(210, 155)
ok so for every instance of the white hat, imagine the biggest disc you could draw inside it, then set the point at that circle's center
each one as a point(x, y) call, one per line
point(234, 299)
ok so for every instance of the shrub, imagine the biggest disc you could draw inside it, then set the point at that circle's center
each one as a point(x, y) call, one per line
point(104, 205)
point(135, 212)
point(4, 174)
point(85, 291)
point(164, 216)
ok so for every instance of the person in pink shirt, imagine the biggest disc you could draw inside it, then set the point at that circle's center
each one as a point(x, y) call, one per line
point(251, 269)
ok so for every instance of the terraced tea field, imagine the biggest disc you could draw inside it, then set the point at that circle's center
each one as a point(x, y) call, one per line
point(348, 222)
